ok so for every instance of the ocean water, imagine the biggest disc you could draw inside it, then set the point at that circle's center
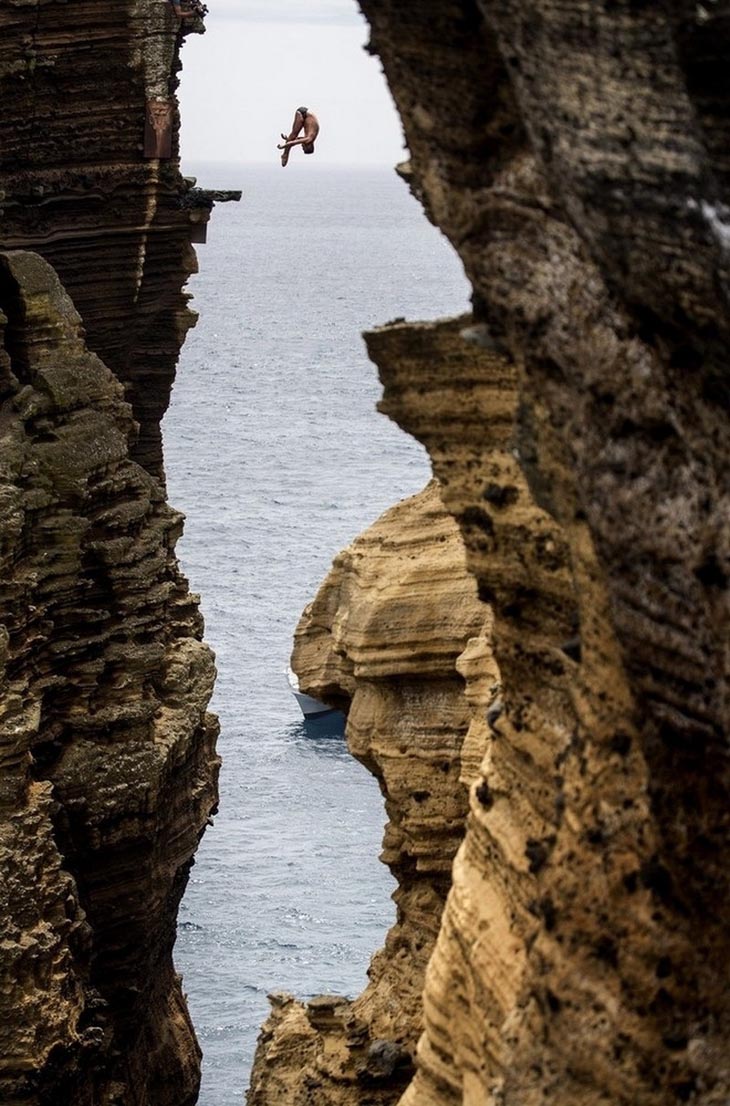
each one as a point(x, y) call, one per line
point(278, 458)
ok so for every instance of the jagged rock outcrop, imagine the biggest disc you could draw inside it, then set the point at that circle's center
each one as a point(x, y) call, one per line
point(576, 156)
point(75, 185)
point(382, 639)
point(107, 761)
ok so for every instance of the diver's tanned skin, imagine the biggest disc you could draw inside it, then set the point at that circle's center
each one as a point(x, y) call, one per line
point(303, 120)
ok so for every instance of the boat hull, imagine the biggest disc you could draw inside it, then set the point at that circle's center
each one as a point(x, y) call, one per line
point(311, 708)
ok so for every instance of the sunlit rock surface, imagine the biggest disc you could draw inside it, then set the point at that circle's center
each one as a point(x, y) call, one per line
point(529, 810)
point(383, 638)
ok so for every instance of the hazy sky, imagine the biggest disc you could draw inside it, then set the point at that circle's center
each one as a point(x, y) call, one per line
point(260, 59)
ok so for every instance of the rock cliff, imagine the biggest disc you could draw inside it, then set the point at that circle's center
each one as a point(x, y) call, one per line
point(382, 639)
point(107, 760)
point(575, 154)
point(78, 82)
point(567, 926)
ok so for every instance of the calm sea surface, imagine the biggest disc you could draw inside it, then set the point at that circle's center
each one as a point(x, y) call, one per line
point(276, 454)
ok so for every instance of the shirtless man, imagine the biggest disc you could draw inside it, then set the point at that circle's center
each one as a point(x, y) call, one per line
point(306, 119)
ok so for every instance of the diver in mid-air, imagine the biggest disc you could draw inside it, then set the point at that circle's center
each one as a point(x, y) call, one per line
point(305, 120)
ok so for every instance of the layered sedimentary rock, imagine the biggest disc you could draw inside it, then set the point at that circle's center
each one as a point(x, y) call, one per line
point(76, 81)
point(576, 156)
point(532, 805)
point(382, 639)
point(108, 764)
point(107, 761)
point(574, 159)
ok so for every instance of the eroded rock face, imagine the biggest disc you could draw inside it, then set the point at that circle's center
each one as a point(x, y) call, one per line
point(75, 80)
point(108, 763)
point(575, 154)
point(537, 835)
point(572, 154)
point(382, 638)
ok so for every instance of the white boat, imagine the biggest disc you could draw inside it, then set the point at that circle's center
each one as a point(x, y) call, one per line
point(310, 708)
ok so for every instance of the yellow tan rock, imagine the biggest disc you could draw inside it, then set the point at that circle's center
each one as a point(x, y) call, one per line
point(382, 638)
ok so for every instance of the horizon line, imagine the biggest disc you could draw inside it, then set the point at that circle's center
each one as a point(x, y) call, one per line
point(391, 166)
